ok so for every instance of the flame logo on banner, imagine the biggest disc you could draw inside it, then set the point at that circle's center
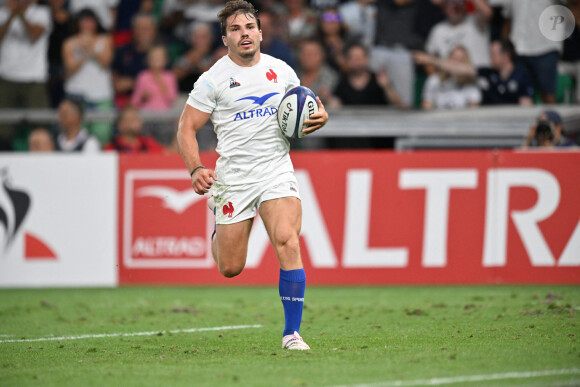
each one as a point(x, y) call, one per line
point(14, 205)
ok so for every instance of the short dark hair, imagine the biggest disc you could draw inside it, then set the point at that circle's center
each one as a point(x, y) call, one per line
point(87, 13)
point(507, 48)
point(76, 103)
point(236, 7)
point(356, 44)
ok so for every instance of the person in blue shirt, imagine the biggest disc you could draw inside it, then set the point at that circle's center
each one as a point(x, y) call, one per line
point(505, 82)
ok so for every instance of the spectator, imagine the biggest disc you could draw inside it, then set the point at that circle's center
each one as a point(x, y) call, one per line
point(360, 16)
point(547, 132)
point(156, 88)
point(271, 44)
point(105, 10)
point(503, 83)
point(360, 86)
point(537, 53)
point(24, 31)
point(40, 140)
point(570, 63)
point(428, 14)
point(445, 90)
point(197, 59)
point(314, 72)
point(395, 37)
point(87, 58)
point(73, 137)
point(130, 139)
point(178, 15)
point(125, 13)
point(301, 20)
point(62, 28)
point(332, 33)
point(130, 59)
point(461, 29)
point(320, 6)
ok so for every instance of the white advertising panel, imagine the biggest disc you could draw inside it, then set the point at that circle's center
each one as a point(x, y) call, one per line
point(58, 220)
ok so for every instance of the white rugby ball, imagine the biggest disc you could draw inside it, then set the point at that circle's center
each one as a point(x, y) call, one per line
point(297, 105)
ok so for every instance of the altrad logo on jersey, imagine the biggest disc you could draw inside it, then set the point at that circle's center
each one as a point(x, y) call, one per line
point(259, 112)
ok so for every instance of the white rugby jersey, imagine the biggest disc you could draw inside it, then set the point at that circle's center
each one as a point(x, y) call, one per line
point(243, 102)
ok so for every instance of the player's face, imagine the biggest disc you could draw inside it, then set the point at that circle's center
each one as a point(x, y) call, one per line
point(242, 36)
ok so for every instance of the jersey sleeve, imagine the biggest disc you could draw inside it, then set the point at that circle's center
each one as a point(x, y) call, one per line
point(202, 97)
point(293, 80)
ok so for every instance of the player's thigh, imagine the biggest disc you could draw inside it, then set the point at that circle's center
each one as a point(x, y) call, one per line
point(232, 241)
point(282, 218)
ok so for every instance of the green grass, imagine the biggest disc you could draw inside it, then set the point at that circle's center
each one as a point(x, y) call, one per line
point(357, 335)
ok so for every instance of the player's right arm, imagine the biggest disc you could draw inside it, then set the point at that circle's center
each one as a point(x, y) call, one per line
point(190, 122)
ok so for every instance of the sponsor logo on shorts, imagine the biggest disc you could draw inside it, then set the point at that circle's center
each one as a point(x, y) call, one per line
point(292, 188)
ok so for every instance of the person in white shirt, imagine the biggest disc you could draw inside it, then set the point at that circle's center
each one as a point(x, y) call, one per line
point(536, 52)
point(443, 90)
point(240, 94)
point(24, 31)
point(73, 137)
point(461, 29)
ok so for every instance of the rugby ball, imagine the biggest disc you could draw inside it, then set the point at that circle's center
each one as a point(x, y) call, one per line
point(297, 105)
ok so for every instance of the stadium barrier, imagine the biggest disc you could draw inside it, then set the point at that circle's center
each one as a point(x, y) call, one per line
point(446, 217)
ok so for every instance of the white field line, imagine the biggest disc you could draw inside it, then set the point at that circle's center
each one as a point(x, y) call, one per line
point(130, 334)
point(468, 378)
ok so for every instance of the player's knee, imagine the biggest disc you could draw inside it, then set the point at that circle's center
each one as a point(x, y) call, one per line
point(230, 270)
point(288, 241)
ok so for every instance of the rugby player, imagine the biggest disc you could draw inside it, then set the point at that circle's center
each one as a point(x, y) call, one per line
point(241, 93)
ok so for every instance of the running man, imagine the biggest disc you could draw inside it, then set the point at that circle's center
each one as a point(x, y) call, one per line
point(254, 173)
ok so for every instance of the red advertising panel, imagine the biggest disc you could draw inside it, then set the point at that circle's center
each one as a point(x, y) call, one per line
point(378, 217)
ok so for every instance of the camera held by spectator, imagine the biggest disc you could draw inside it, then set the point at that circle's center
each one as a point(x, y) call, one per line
point(547, 132)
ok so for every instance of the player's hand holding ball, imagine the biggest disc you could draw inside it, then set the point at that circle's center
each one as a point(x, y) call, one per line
point(316, 120)
point(202, 179)
point(301, 113)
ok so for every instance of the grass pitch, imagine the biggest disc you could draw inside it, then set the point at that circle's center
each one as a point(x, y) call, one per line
point(383, 335)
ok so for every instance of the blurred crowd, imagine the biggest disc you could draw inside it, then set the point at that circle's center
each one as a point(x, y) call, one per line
point(132, 56)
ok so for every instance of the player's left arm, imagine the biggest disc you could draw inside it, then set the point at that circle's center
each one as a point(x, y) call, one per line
point(316, 120)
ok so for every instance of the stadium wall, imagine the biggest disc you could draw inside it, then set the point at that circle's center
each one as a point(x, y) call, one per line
point(58, 220)
point(477, 217)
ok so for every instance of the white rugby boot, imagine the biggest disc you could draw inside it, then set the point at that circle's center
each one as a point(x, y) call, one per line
point(294, 342)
